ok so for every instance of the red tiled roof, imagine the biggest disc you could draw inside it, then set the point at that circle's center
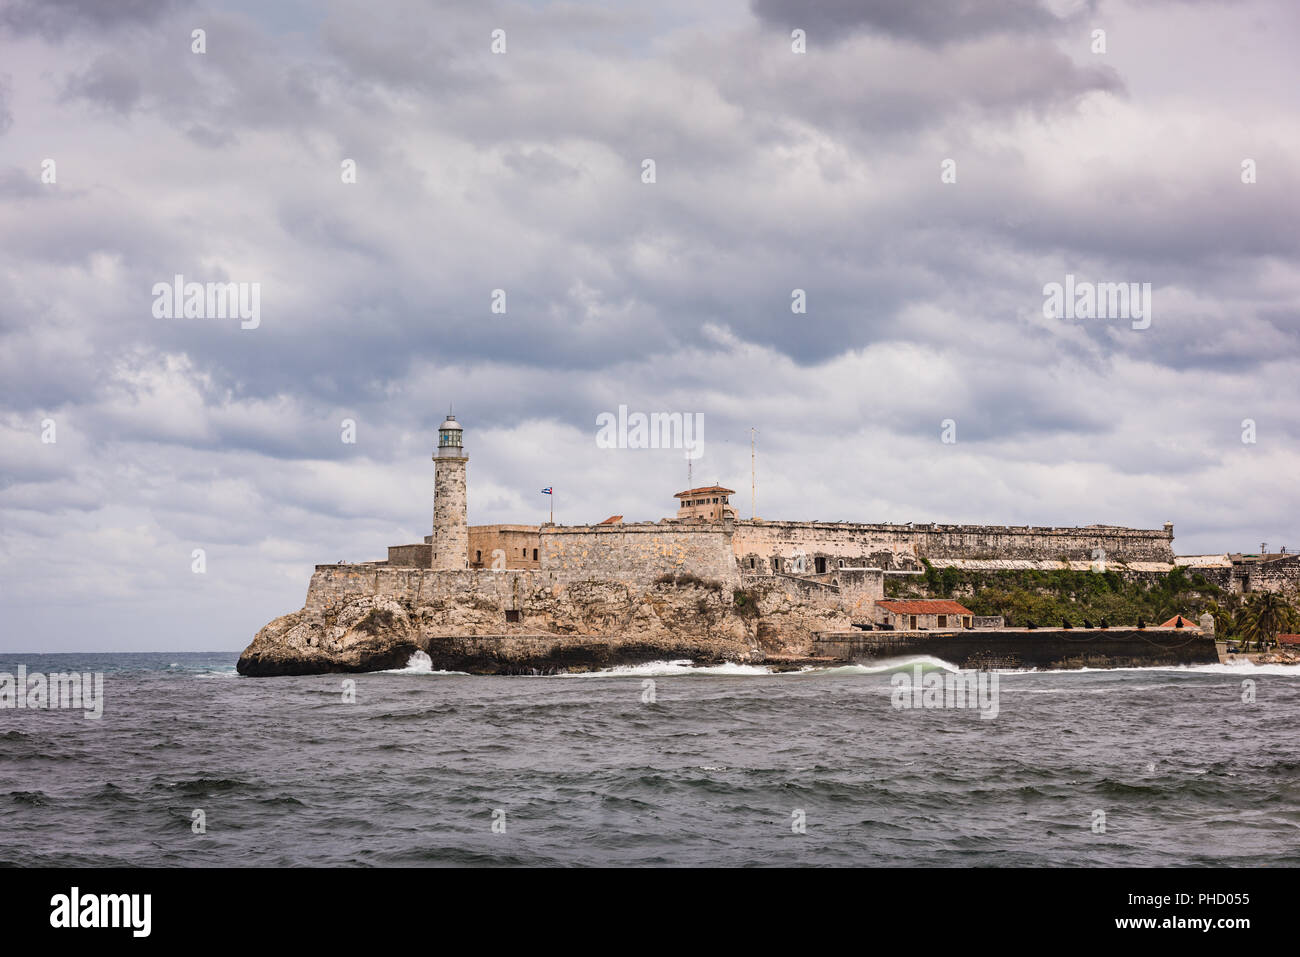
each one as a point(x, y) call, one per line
point(1288, 639)
point(928, 606)
point(612, 520)
point(1173, 622)
point(706, 488)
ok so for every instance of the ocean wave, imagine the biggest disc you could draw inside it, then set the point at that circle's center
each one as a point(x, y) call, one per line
point(1246, 668)
point(686, 666)
point(669, 669)
point(890, 665)
point(418, 664)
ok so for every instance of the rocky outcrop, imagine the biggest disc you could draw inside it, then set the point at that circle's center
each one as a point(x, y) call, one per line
point(580, 625)
point(366, 634)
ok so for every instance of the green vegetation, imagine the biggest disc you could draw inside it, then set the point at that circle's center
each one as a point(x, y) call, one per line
point(745, 602)
point(1256, 621)
point(1048, 597)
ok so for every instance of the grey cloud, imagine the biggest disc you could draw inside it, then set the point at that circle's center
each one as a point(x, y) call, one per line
point(934, 22)
point(210, 138)
point(110, 82)
point(6, 115)
point(55, 19)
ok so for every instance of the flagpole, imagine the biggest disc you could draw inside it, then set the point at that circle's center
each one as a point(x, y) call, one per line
point(552, 498)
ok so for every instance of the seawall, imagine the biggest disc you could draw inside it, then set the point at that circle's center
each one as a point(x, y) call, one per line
point(1054, 648)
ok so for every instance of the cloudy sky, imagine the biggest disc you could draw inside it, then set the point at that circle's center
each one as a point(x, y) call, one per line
point(127, 441)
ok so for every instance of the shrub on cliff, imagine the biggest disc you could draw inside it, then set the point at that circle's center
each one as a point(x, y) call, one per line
point(687, 578)
point(746, 603)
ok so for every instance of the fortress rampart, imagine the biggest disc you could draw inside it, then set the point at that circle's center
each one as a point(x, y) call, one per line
point(758, 543)
point(637, 554)
point(335, 585)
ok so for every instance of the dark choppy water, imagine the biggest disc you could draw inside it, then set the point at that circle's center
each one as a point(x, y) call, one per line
point(711, 773)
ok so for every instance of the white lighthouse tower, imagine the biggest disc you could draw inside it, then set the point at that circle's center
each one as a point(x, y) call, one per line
point(450, 521)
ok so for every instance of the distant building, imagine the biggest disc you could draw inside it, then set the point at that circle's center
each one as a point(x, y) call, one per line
point(708, 504)
point(922, 614)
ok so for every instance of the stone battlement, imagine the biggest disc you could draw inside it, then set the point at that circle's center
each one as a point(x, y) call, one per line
point(757, 543)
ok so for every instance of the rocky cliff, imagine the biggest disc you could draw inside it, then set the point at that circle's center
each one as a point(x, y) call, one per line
point(366, 618)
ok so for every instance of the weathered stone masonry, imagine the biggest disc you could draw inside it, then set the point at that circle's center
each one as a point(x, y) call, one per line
point(639, 553)
point(756, 544)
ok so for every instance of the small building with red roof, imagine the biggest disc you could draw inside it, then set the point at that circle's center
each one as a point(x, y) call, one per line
point(922, 614)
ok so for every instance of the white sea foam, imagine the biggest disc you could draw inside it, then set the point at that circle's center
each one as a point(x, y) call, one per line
point(1245, 668)
point(668, 669)
point(419, 664)
point(685, 666)
point(890, 665)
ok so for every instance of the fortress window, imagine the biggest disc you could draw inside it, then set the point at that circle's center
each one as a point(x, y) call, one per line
point(776, 564)
point(820, 564)
point(913, 625)
point(943, 621)
point(512, 615)
point(534, 554)
point(478, 557)
point(525, 552)
point(751, 563)
point(715, 501)
point(841, 563)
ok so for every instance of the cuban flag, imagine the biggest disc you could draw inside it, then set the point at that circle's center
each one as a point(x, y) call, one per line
point(547, 490)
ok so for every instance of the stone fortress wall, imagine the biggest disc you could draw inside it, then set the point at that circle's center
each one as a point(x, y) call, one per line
point(766, 547)
point(639, 553)
point(334, 585)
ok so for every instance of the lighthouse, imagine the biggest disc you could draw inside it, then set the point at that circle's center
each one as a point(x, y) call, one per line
point(450, 522)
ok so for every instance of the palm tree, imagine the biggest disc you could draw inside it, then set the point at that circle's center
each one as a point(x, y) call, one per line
point(1268, 614)
point(1241, 624)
